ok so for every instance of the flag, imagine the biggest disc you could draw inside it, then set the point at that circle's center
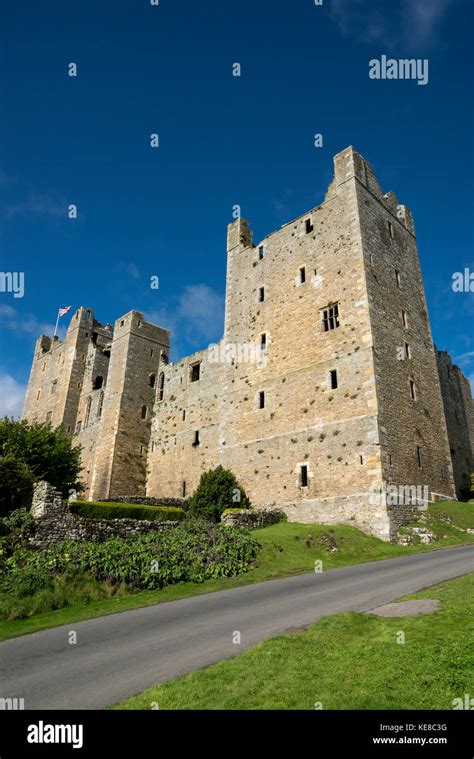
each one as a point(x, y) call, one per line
point(65, 310)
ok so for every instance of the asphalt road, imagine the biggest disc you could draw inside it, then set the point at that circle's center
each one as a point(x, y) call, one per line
point(122, 654)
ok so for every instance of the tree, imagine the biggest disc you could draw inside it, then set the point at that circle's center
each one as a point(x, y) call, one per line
point(218, 490)
point(16, 483)
point(47, 454)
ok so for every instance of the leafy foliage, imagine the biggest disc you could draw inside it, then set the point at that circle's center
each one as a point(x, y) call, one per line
point(16, 482)
point(110, 510)
point(218, 490)
point(189, 552)
point(46, 454)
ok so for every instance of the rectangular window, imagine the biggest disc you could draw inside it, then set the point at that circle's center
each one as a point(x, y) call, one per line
point(261, 399)
point(418, 456)
point(308, 226)
point(333, 377)
point(331, 317)
point(302, 275)
point(261, 294)
point(196, 438)
point(195, 372)
point(260, 252)
point(304, 476)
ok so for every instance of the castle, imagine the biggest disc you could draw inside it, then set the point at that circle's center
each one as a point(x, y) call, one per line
point(342, 392)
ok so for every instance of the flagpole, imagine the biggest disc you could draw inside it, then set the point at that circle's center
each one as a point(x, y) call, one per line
point(56, 327)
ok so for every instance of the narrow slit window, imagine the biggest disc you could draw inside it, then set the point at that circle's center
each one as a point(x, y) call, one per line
point(302, 275)
point(418, 457)
point(161, 386)
point(333, 378)
point(144, 412)
point(412, 390)
point(331, 317)
point(308, 226)
point(263, 340)
point(405, 319)
point(391, 230)
point(261, 399)
point(361, 460)
point(261, 294)
point(407, 351)
point(152, 380)
point(100, 405)
point(304, 480)
point(183, 489)
point(184, 415)
point(197, 439)
point(260, 252)
point(398, 278)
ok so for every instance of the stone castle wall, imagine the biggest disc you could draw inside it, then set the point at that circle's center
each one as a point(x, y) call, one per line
point(458, 412)
point(274, 417)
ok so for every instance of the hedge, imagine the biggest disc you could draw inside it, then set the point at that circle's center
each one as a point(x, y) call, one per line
point(100, 510)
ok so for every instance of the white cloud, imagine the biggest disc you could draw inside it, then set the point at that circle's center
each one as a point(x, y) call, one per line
point(196, 315)
point(409, 24)
point(10, 318)
point(202, 310)
point(12, 395)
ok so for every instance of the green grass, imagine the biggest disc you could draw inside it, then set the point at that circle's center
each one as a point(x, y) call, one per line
point(287, 549)
point(346, 661)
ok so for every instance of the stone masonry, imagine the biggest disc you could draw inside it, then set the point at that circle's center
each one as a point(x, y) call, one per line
point(323, 389)
point(55, 522)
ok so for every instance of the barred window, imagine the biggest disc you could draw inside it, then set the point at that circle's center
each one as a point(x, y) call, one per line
point(331, 317)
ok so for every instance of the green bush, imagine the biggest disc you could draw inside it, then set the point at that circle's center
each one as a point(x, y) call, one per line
point(187, 553)
point(16, 483)
point(217, 491)
point(40, 453)
point(99, 510)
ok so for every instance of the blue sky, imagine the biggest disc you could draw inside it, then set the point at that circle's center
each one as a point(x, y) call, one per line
point(224, 140)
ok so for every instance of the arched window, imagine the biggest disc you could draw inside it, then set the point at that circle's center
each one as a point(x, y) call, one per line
point(161, 386)
point(152, 380)
point(144, 412)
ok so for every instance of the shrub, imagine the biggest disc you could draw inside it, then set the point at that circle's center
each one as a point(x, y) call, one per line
point(16, 483)
point(47, 453)
point(218, 490)
point(188, 553)
point(100, 510)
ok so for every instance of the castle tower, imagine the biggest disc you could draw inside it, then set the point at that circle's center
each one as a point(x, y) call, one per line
point(57, 374)
point(139, 350)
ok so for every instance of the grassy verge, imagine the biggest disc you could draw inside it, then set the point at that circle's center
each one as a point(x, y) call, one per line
point(347, 661)
point(286, 549)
